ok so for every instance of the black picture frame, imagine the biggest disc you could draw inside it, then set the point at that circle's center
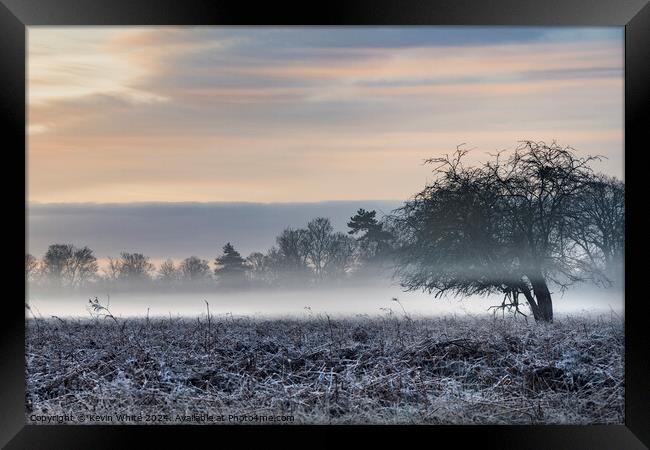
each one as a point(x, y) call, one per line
point(634, 15)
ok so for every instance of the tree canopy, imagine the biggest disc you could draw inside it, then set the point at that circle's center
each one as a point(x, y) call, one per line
point(506, 226)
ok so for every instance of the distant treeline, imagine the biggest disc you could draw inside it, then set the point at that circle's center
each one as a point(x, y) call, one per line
point(312, 255)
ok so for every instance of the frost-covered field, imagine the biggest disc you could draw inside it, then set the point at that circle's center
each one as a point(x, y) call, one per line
point(326, 370)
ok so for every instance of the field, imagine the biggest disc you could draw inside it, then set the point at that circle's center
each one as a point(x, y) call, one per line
point(326, 370)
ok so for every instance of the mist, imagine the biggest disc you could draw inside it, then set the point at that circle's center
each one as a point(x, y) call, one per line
point(371, 300)
point(178, 230)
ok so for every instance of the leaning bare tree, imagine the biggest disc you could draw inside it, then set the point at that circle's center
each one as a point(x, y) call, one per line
point(506, 227)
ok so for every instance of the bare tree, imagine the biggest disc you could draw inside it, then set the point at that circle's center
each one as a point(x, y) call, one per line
point(194, 269)
point(56, 261)
point(318, 241)
point(340, 255)
point(599, 228)
point(31, 267)
point(168, 273)
point(67, 265)
point(286, 263)
point(112, 269)
point(327, 252)
point(260, 267)
point(291, 244)
point(501, 227)
point(82, 266)
point(134, 267)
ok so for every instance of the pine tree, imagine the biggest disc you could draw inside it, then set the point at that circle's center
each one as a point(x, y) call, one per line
point(374, 240)
point(230, 267)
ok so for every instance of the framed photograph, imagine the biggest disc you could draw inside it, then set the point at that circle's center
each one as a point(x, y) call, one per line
point(322, 218)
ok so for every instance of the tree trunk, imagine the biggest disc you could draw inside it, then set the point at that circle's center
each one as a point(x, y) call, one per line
point(543, 298)
point(531, 302)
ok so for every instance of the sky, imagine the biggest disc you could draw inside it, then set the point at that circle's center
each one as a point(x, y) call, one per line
point(266, 114)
